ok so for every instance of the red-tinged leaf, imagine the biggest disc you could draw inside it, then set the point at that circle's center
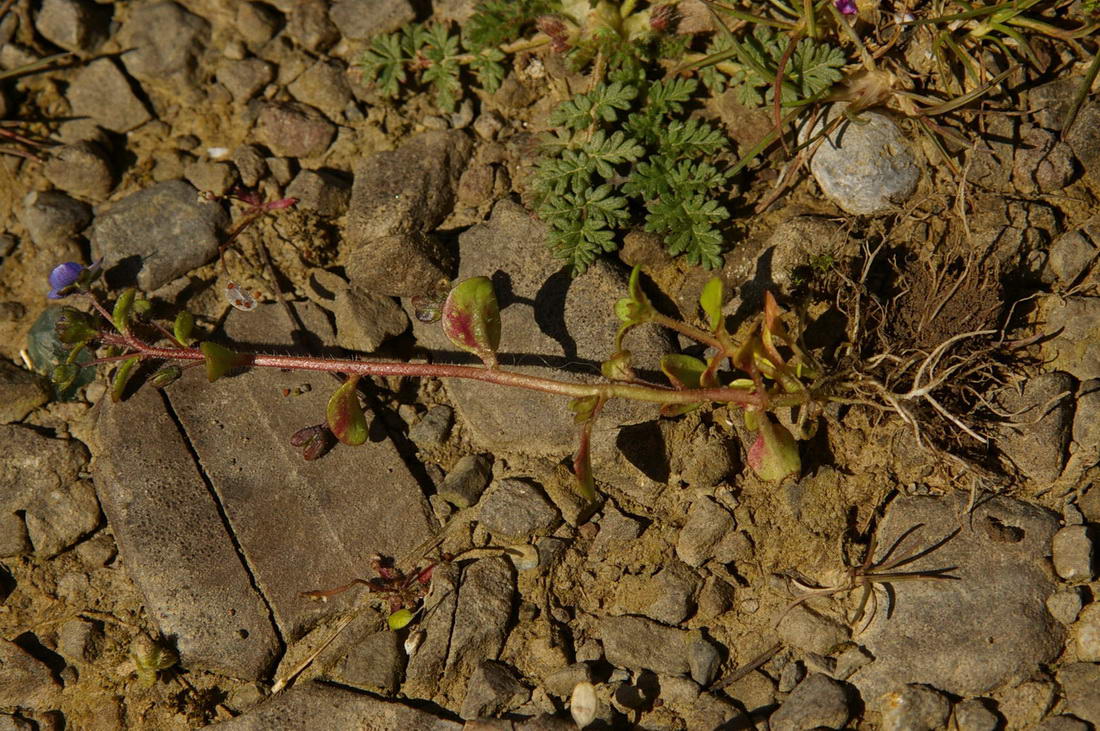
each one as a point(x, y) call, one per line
point(471, 318)
point(122, 376)
point(345, 414)
point(683, 371)
point(774, 455)
point(710, 300)
point(582, 464)
point(709, 378)
point(617, 367)
point(220, 360)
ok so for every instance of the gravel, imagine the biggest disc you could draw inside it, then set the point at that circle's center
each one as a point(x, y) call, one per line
point(817, 702)
point(915, 708)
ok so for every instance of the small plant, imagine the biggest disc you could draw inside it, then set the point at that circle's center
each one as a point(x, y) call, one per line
point(150, 658)
point(401, 592)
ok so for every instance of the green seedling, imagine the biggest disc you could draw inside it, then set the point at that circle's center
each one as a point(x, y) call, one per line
point(402, 593)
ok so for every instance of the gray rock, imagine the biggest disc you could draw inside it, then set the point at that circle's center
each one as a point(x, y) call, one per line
point(257, 22)
point(52, 217)
point(704, 661)
point(426, 665)
point(1026, 704)
point(24, 681)
point(1074, 327)
point(299, 709)
point(323, 192)
point(667, 596)
point(1039, 436)
point(1052, 100)
point(849, 661)
point(915, 708)
point(987, 629)
point(515, 509)
point(363, 320)
point(33, 465)
point(59, 518)
point(865, 167)
point(1043, 164)
point(308, 24)
point(82, 169)
point(811, 632)
point(246, 77)
point(323, 85)
point(1084, 138)
point(488, 125)
point(817, 702)
point(13, 535)
point(165, 43)
point(1079, 682)
point(1073, 550)
point(493, 690)
point(432, 430)
point(616, 529)
point(21, 392)
point(1087, 630)
point(637, 643)
point(707, 524)
point(400, 265)
point(548, 319)
point(410, 189)
point(1086, 436)
point(157, 234)
point(710, 460)
point(361, 19)
point(1066, 604)
point(330, 515)
point(792, 247)
point(173, 541)
point(560, 683)
point(77, 641)
point(972, 714)
point(1063, 723)
point(250, 163)
point(374, 664)
point(1072, 253)
point(293, 129)
point(481, 618)
point(467, 480)
point(211, 177)
point(75, 25)
point(715, 599)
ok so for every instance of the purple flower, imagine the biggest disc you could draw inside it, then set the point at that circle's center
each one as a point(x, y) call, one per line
point(62, 276)
point(847, 7)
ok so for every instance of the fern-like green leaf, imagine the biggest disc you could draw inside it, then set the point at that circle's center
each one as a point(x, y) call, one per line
point(604, 152)
point(488, 68)
point(816, 67)
point(499, 21)
point(691, 138)
point(555, 175)
point(384, 64)
point(602, 103)
point(668, 96)
point(688, 227)
point(441, 51)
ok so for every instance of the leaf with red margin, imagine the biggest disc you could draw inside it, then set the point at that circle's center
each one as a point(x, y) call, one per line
point(471, 318)
point(345, 414)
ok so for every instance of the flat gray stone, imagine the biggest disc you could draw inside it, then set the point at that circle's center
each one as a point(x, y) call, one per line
point(326, 518)
point(165, 43)
point(1040, 434)
point(493, 690)
point(323, 85)
point(302, 707)
point(426, 664)
point(514, 510)
point(708, 523)
point(57, 519)
point(811, 632)
point(83, 169)
point(467, 480)
point(401, 265)
point(482, 616)
point(637, 643)
point(374, 662)
point(361, 19)
point(549, 321)
point(1079, 682)
point(155, 235)
point(1074, 326)
point(865, 167)
point(101, 91)
point(410, 189)
point(53, 216)
point(75, 25)
point(987, 630)
point(292, 129)
point(174, 543)
point(667, 596)
point(25, 682)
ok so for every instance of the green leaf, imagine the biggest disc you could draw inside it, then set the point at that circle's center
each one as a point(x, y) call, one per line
point(583, 408)
point(345, 414)
point(582, 464)
point(602, 103)
point(711, 302)
point(221, 360)
point(47, 351)
point(774, 455)
point(816, 67)
point(688, 225)
point(122, 376)
point(683, 371)
point(384, 64)
point(181, 329)
point(618, 368)
point(400, 619)
point(123, 308)
point(165, 376)
point(499, 21)
point(471, 318)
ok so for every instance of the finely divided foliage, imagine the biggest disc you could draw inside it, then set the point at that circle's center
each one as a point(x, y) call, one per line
point(585, 182)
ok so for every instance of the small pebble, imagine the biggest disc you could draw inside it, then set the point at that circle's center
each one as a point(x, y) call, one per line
point(1073, 551)
point(1087, 628)
point(972, 714)
point(817, 702)
point(916, 708)
point(434, 428)
point(1063, 723)
point(1066, 604)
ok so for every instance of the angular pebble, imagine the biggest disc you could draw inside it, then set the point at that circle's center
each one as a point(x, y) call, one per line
point(21, 392)
point(320, 191)
point(58, 519)
point(1066, 604)
point(53, 216)
point(1038, 443)
point(481, 618)
point(433, 428)
point(401, 265)
point(515, 509)
point(636, 643)
point(467, 480)
point(25, 682)
point(292, 129)
point(82, 169)
point(492, 691)
point(101, 91)
point(973, 714)
point(1073, 551)
point(866, 166)
point(324, 86)
point(130, 236)
point(803, 628)
point(75, 25)
point(707, 524)
point(1063, 723)
point(374, 663)
point(1079, 682)
point(245, 78)
point(817, 702)
point(1087, 630)
point(915, 708)
point(362, 19)
point(164, 42)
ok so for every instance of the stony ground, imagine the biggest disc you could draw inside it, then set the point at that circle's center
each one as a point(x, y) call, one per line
point(693, 595)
